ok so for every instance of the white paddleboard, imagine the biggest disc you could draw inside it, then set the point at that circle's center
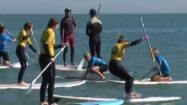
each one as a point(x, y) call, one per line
point(67, 68)
point(136, 82)
point(148, 82)
point(136, 100)
point(14, 65)
point(37, 85)
point(111, 102)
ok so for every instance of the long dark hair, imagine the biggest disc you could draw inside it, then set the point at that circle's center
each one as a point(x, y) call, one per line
point(52, 22)
point(27, 26)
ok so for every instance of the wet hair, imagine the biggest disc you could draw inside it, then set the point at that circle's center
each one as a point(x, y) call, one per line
point(154, 50)
point(27, 26)
point(2, 29)
point(121, 39)
point(92, 12)
point(86, 54)
point(52, 22)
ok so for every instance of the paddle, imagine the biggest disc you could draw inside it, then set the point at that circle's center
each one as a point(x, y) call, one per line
point(81, 64)
point(36, 43)
point(14, 39)
point(148, 43)
point(34, 81)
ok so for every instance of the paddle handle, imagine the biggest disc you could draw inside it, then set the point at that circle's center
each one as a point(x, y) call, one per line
point(148, 43)
point(34, 81)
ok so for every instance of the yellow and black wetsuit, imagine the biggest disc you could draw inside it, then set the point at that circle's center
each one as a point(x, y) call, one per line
point(23, 41)
point(47, 52)
point(115, 66)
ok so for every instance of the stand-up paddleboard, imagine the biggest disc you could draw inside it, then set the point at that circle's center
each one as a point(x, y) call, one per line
point(37, 85)
point(136, 82)
point(67, 68)
point(148, 82)
point(14, 65)
point(135, 100)
point(110, 102)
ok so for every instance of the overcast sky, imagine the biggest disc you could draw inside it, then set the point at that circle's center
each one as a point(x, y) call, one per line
point(82, 6)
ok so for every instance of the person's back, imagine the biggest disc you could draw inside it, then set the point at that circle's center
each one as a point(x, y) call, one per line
point(3, 41)
point(164, 66)
point(94, 29)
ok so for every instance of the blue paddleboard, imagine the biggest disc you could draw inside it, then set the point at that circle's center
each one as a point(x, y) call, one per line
point(109, 102)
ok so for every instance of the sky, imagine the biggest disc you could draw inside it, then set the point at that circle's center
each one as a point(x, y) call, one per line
point(83, 6)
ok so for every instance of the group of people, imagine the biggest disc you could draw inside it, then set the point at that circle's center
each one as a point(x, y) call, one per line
point(95, 62)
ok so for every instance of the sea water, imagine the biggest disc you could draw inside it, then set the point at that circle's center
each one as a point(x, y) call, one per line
point(167, 33)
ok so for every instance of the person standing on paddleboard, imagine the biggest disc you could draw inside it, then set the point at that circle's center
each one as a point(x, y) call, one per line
point(4, 39)
point(67, 27)
point(95, 65)
point(117, 69)
point(23, 41)
point(46, 56)
point(163, 68)
point(93, 30)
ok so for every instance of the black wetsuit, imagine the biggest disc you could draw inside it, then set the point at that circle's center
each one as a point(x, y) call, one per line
point(67, 27)
point(93, 30)
point(117, 69)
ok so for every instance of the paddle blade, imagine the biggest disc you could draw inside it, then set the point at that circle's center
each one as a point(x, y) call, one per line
point(81, 64)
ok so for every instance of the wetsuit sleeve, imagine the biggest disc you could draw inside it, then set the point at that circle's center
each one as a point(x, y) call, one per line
point(58, 46)
point(88, 26)
point(135, 42)
point(32, 48)
point(62, 30)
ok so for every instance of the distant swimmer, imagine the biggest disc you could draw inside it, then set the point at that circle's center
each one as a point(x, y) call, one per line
point(93, 30)
point(95, 65)
point(67, 27)
point(163, 68)
point(23, 41)
point(4, 39)
point(117, 69)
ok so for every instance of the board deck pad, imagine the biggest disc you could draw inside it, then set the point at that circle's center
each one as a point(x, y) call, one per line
point(66, 68)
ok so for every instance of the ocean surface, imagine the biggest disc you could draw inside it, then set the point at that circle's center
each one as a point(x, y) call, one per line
point(167, 32)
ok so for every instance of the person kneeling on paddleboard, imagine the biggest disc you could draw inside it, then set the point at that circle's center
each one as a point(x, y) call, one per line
point(117, 69)
point(163, 68)
point(4, 38)
point(95, 65)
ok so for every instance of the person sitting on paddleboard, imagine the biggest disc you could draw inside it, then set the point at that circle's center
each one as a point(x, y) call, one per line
point(4, 39)
point(95, 65)
point(117, 69)
point(163, 68)
point(23, 41)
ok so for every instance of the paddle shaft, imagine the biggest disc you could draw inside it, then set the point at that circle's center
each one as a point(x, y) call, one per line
point(36, 43)
point(34, 81)
point(99, 7)
point(148, 43)
point(145, 75)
